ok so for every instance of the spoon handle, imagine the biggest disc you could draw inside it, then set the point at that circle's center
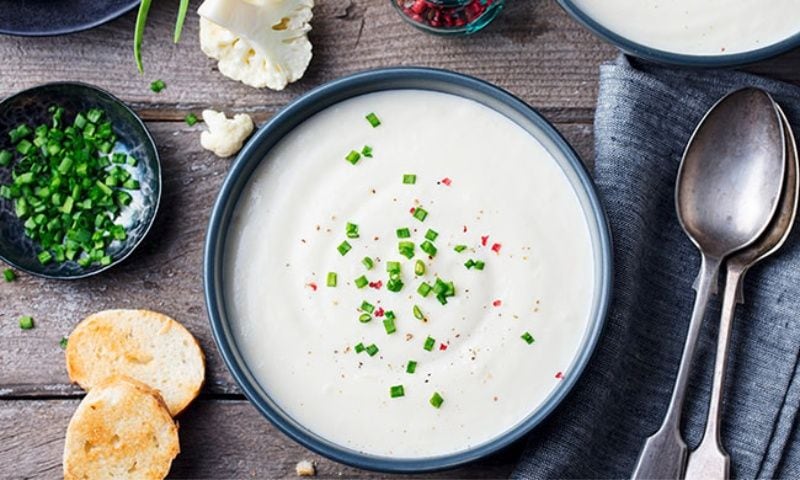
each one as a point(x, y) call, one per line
point(710, 461)
point(664, 452)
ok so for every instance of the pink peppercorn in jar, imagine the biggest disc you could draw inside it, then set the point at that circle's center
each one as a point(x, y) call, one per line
point(449, 17)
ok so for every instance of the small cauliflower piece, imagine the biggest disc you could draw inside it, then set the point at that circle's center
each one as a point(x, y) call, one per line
point(305, 468)
point(225, 136)
point(262, 43)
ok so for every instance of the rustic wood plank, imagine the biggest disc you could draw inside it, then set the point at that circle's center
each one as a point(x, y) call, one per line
point(219, 439)
point(164, 275)
point(534, 49)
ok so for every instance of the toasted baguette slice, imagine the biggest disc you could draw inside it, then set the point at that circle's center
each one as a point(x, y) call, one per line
point(144, 345)
point(121, 429)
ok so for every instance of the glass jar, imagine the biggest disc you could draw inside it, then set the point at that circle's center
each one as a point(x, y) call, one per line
point(449, 17)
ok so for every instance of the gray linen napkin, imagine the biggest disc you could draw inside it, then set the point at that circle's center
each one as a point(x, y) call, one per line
point(645, 115)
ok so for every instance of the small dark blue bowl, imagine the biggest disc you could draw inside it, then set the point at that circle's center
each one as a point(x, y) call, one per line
point(678, 59)
point(31, 107)
point(323, 97)
point(40, 18)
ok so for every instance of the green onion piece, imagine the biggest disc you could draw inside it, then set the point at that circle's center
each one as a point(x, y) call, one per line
point(361, 281)
point(26, 322)
point(527, 337)
point(365, 318)
point(388, 324)
point(9, 275)
point(344, 247)
point(366, 151)
point(360, 347)
point(183, 8)
point(460, 248)
point(436, 400)
point(429, 343)
point(352, 230)
point(406, 249)
point(368, 263)
point(418, 313)
point(424, 289)
point(5, 158)
point(372, 350)
point(63, 343)
point(394, 285)
point(158, 85)
point(431, 234)
point(479, 265)
point(420, 214)
point(367, 307)
point(428, 248)
point(138, 33)
point(353, 157)
point(469, 263)
point(409, 179)
point(373, 120)
point(411, 366)
point(45, 257)
point(190, 119)
point(332, 279)
point(393, 267)
point(397, 391)
point(419, 268)
point(403, 233)
point(390, 314)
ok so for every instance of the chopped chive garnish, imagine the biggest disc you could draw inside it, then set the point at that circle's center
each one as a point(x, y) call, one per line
point(332, 279)
point(45, 257)
point(158, 85)
point(418, 313)
point(419, 268)
point(26, 322)
point(366, 151)
point(390, 314)
point(420, 214)
point(63, 342)
point(5, 158)
point(388, 324)
point(344, 247)
point(431, 235)
point(368, 263)
point(469, 263)
point(372, 350)
point(394, 285)
point(527, 337)
point(397, 391)
point(9, 275)
point(428, 248)
point(373, 120)
point(365, 318)
point(443, 290)
point(393, 267)
point(411, 366)
point(479, 265)
point(361, 281)
point(403, 233)
point(353, 157)
point(351, 230)
point(429, 343)
point(424, 289)
point(367, 307)
point(436, 400)
point(460, 248)
point(406, 249)
point(190, 119)
point(360, 347)
point(409, 179)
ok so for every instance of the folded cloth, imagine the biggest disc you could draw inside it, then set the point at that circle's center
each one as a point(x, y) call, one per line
point(645, 116)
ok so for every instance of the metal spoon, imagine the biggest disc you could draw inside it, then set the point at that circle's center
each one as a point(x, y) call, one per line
point(728, 187)
point(710, 461)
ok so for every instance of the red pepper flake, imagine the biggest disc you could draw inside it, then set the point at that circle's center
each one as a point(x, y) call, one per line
point(442, 347)
point(484, 240)
point(379, 312)
point(497, 303)
point(496, 248)
point(412, 210)
point(312, 286)
point(376, 285)
point(560, 375)
point(447, 181)
point(465, 229)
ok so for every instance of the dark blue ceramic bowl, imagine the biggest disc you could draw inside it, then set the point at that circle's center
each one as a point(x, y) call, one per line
point(37, 18)
point(31, 107)
point(319, 99)
point(670, 58)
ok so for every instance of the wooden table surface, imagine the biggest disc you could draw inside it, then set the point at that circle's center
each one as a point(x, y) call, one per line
point(534, 50)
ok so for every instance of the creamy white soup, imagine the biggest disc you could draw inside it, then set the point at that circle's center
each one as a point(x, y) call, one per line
point(698, 27)
point(325, 282)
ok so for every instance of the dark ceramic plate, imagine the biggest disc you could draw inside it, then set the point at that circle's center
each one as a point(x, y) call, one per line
point(38, 18)
point(30, 107)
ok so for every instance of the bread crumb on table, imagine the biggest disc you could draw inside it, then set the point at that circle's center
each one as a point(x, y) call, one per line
point(305, 468)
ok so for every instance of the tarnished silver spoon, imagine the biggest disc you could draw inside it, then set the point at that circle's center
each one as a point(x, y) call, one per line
point(710, 461)
point(729, 184)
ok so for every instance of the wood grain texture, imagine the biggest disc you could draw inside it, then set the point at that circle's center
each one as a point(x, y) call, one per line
point(219, 439)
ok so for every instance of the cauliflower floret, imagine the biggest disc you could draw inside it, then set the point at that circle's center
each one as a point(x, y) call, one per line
point(305, 468)
point(262, 43)
point(225, 136)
